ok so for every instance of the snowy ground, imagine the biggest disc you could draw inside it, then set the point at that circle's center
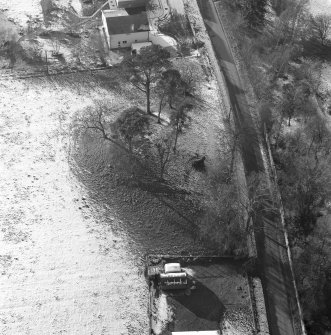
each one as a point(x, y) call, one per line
point(62, 270)
point(19, 10)
point(71, 256)
point(320, 6)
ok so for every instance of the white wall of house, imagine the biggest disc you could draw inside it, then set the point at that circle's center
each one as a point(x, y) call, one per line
point(104, 23)
point(126, 40)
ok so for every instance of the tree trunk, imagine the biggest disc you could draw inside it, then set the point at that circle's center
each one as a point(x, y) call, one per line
point(160, 110)
point(148, 93)
point(161, 172)
point(176, 137)
point(233, 154)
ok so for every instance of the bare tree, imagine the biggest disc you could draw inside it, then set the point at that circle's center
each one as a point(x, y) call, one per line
point(131, 125)
point(95, 120)
point(163, 148)
point(178, 119)
point(322, 26)
point(168, 88)
point(56, 47)
point(259, 198)
point(143, 70)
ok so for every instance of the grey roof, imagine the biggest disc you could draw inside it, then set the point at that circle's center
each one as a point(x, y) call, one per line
point(127, 24)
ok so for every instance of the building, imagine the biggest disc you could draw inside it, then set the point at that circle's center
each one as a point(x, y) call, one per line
point(122, 29)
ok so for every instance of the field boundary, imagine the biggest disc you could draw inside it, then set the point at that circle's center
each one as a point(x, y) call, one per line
point(46, 73)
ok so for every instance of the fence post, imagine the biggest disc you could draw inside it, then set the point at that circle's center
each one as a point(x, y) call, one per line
point(46, 63)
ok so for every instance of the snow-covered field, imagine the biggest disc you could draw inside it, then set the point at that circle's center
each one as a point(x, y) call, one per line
point(320, 6)
point(62, 271)
point(19, 10)
point(71, 258)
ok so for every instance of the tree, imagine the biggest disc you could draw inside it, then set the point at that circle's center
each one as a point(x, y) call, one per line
point(280, 5)
point(254, 12)
point(322, 26)
point(152, 7)
point(143, 69)
point(295, 99)
point(310, 71)
point(169, 88)
point(259, 199)
point(177, 27)
point(311, 268)
point(96, 120)
point(131, 125)
point(163, 148)
point(305, 176)
point(177, 120)
point(220, 222)
point(9, 42)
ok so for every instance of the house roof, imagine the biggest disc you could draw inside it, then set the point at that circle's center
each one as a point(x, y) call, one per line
point(131, 3)
point(127, 24)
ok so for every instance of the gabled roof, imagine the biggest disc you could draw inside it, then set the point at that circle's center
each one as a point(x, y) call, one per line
point(127, 24)
point(131, 3)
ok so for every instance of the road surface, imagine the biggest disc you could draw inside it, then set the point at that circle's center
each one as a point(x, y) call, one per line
point(282, 311)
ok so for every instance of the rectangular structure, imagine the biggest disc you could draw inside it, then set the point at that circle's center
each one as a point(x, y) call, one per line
point(122, 30)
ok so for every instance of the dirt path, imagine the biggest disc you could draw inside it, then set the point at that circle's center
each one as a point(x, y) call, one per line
point(279, 291)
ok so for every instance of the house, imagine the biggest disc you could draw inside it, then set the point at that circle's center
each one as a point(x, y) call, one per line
point(127, 3)
point(122, 29)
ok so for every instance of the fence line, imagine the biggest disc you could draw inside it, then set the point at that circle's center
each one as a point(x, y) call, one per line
point(21, 74)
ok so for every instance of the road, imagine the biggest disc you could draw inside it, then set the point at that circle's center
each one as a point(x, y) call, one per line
point(282, 311)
